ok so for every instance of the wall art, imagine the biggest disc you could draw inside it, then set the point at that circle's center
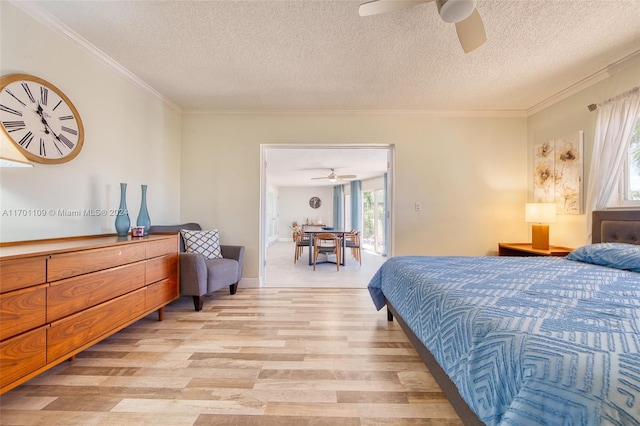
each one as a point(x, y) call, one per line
point(557, 173)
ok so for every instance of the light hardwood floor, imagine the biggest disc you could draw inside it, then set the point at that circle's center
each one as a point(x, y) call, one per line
point(270, 356)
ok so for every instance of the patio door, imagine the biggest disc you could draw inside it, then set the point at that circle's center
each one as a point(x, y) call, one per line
point(373, 220)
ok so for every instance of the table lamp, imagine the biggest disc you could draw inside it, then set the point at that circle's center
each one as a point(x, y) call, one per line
point(540, 214)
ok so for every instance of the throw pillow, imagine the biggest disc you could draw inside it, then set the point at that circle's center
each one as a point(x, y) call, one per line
point(614, 255)
point(207, 243)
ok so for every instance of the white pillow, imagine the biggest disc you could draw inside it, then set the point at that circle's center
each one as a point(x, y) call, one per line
point(206, 243)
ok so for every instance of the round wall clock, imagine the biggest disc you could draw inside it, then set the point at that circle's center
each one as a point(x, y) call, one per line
point(39, 119)
point(315, 202)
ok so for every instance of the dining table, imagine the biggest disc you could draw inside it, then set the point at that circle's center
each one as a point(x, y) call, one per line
point(326, 230)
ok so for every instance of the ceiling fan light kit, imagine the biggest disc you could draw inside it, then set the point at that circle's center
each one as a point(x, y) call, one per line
point(333, 177)
point(463, 13)
point(454, 11)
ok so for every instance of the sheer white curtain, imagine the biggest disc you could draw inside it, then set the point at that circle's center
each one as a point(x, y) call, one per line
point(614, 126)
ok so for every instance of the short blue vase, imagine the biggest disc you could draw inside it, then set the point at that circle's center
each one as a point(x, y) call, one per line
point(122, 217)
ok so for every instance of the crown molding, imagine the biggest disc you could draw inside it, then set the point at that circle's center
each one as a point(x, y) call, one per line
point(58, 27)
point(424, 113)
point(594, 78)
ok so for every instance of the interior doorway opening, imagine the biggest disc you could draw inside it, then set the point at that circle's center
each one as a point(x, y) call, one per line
point(278, 211)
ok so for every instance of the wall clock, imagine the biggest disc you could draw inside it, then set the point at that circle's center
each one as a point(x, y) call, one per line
point(315, 202)
point(39, 119)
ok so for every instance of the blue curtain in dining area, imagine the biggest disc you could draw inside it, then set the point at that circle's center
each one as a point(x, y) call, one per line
point(356, 205)
point(338, 206)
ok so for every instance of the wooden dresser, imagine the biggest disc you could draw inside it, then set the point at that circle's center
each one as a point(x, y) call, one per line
point(58, 297)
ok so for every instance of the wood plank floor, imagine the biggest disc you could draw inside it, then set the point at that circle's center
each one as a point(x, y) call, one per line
point(277, 356)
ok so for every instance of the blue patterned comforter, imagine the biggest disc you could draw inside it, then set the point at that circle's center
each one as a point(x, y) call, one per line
point(527, 341)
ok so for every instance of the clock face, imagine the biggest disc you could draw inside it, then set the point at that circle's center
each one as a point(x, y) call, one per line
point(315, 202)
point(39, 119)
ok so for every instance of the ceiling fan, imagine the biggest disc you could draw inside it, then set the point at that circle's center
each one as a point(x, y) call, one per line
point(333, 177)
point(463, 13)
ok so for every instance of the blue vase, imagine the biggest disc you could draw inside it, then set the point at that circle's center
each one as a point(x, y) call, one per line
point(122, 218)
point(143, 216)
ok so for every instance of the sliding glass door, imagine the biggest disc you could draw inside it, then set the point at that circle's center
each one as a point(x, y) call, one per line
point(373, 223)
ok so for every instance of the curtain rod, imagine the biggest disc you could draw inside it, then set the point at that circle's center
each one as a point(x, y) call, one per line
point(593, 107)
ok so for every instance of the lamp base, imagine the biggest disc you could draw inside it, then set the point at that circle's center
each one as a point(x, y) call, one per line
point(540, 237)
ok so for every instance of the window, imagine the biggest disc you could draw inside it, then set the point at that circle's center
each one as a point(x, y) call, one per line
point(373, 226)
point(632, 172)
point(630, 183)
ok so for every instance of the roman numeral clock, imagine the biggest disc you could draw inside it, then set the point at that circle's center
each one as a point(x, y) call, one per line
point(39, 119)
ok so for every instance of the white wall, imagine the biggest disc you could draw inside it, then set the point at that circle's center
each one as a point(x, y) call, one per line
point(468, 173)
point(294, 205)
point(566, 117)
point(130, 136)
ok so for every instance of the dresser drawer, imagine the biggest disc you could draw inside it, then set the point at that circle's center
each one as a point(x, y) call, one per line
point(72, 295)
point(161, 293)
point(162, 246)
point(22, 355)
point(22, 310)
point(21, 273)
point(84, 328)
point(160, 268)
point(71, 264)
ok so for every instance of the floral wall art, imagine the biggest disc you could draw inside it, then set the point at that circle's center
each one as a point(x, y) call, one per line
point(557, 176)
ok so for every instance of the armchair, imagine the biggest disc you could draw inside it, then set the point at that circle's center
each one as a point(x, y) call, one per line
point(200, 276)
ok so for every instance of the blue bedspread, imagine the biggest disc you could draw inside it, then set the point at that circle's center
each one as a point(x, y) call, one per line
point(527, 341)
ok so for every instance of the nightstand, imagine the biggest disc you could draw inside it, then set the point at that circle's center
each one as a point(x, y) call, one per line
point(525, 249)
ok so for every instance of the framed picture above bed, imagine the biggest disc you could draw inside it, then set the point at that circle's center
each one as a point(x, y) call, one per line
point(558, 173)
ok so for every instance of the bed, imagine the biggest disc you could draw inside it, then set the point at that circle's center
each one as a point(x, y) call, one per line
point(528, 340)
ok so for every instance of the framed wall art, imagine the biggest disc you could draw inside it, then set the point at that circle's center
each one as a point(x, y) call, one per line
point(557, 173)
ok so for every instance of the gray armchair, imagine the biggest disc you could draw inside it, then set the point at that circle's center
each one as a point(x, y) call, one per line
point(200, 276)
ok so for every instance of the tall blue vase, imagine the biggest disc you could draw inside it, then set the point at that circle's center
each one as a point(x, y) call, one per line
point(143, 216)
point(122, 218)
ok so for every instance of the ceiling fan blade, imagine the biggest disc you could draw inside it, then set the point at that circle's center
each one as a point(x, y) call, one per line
point(320, 178)
point(347, 176)
point(471, 32)
point(376, 7)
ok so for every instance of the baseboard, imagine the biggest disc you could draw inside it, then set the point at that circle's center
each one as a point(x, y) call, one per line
point(249, 283)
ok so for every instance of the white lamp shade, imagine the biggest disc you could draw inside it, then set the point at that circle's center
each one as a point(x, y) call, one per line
point(454, 11)
point(540, 212)
point(10, 156)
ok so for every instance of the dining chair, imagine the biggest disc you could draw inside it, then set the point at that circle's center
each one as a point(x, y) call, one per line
point(326, 243)
point(301, 240)
point(352, 241)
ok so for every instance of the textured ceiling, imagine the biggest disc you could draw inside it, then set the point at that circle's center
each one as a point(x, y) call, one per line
point(321, 55)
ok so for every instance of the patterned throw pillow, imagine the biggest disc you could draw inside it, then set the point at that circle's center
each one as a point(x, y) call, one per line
point(207, 243)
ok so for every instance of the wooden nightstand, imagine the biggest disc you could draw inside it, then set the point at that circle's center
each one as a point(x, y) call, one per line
point(525, 249)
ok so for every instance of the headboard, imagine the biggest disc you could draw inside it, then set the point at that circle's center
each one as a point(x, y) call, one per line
point(616, 226)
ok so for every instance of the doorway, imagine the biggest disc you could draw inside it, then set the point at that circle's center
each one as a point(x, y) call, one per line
point(320, 160)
